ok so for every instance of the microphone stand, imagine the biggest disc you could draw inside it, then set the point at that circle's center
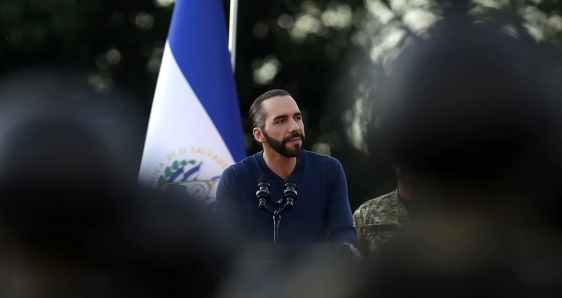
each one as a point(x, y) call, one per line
point(276, 216)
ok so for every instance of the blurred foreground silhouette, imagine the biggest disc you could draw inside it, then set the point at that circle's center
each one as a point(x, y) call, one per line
point(476, 115)
point(73, 222)
point(473, 112)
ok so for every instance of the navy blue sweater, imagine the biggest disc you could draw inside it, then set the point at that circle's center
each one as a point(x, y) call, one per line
point(321, 212)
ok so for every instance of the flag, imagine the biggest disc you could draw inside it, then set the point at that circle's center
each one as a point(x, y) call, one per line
point(194, 131)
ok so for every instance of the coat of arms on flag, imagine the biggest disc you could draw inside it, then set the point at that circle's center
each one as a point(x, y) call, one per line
point(182, 176)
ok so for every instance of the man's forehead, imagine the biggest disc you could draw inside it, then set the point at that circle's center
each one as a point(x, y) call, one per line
point(280, 105)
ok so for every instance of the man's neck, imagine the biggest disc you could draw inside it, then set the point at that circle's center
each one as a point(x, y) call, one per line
point(281, 165)
point(405, 190)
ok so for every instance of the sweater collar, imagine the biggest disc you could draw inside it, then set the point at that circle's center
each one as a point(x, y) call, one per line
point(297, 171)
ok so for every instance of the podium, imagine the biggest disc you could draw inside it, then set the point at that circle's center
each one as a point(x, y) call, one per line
point(285, 251)
point(289, 269)
point(271, 254)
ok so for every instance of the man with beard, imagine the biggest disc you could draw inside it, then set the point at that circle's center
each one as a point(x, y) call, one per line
point(321, 211)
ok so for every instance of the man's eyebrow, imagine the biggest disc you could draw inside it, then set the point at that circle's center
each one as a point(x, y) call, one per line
point(285, 116)
point(279, 117)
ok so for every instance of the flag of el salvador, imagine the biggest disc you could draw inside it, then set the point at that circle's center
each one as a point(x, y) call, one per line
point(195, 121)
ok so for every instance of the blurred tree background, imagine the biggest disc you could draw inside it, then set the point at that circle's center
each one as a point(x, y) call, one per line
point(330, 55)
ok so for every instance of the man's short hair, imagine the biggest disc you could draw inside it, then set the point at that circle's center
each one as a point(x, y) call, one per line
point(257, 114)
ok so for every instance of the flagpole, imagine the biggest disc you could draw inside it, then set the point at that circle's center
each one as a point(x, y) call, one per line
point(233, 20)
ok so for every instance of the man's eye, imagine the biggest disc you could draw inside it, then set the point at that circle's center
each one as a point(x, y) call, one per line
point(280, 120)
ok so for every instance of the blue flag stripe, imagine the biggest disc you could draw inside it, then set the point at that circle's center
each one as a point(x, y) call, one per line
point(198, 42)
point(191, 171)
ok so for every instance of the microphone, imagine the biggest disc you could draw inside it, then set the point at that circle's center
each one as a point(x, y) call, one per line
point(263, 191)
point(290, 191)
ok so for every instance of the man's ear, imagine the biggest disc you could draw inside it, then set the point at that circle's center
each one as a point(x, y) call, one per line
point(258, 135)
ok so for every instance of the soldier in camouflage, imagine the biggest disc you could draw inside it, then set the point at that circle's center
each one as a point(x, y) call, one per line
point(378, 220)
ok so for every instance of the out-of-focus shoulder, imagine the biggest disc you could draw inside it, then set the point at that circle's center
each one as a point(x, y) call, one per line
point(372, 203)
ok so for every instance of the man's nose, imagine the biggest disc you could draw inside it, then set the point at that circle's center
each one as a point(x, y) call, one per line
point(293, 125)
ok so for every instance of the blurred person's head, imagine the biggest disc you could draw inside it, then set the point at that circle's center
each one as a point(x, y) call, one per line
point(73, 224)
point(471, 105)
point(474, 113)
point(81, 100)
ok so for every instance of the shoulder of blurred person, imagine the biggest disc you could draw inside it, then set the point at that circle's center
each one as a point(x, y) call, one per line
point(377, 221)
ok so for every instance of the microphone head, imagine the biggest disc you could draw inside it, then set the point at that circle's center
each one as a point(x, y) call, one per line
point(263, 178)
point(263, 190)
point(290, 179)
point(290, 191)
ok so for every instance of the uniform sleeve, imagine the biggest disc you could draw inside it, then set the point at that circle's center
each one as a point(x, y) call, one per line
point(227, 208)
point(339, 217)
point(359, 224)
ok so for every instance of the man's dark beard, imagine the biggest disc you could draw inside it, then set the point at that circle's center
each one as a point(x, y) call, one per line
point(279, 146)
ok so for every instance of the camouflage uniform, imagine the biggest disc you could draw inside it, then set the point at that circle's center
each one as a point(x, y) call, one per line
point(377, 221)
